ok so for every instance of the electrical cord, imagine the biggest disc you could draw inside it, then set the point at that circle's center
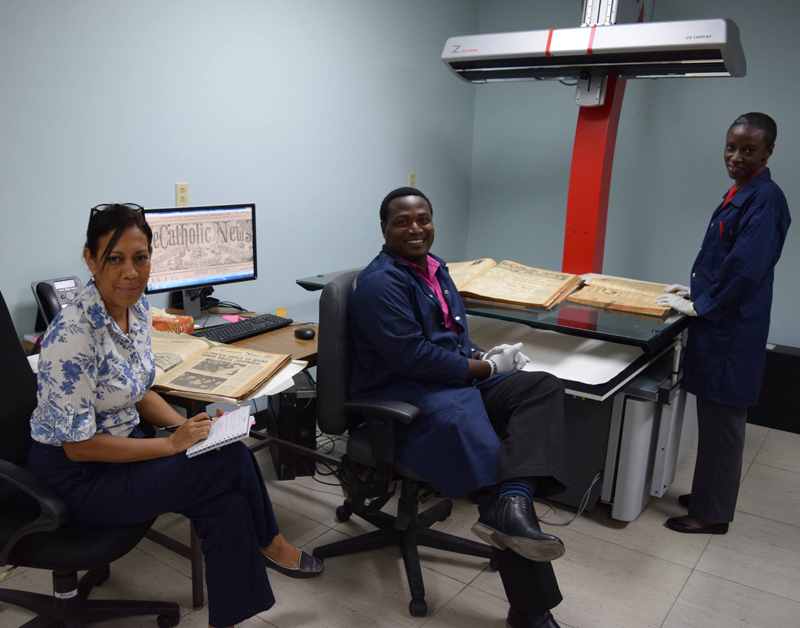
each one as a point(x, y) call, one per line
point(581, 506)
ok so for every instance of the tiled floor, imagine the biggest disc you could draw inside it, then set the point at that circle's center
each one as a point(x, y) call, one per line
point(614, 575)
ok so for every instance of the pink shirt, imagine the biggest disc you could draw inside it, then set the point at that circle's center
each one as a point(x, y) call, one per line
point(430, 278)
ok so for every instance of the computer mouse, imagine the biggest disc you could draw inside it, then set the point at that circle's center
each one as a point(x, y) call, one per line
point(305, 333)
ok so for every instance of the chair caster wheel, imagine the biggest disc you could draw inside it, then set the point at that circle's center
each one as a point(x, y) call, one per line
point(418, 608)
point(492, 565)
point(105, 575)
point(343, 513)
point(166, 621)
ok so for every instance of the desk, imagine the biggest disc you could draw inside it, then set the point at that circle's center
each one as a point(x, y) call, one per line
point(278, 341)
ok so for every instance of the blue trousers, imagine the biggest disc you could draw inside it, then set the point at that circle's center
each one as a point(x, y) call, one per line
point(222, 492)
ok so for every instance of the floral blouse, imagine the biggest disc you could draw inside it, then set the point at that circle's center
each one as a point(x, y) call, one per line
point(90, 373)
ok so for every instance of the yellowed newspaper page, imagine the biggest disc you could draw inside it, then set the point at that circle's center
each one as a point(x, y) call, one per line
point(224, 371)
point(517, 284)
point(625, 295)
point(463, 272)
point(171, 350)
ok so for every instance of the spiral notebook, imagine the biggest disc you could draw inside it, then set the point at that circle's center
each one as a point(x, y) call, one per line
point(229, 428)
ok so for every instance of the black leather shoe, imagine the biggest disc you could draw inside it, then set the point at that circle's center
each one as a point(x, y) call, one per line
point(309, 567)
point(524, 620)
point(677, 524)
point(685, 499)
point(511, 522)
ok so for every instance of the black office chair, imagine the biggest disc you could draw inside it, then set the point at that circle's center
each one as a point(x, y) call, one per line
point(33, 530)
point(370, 457)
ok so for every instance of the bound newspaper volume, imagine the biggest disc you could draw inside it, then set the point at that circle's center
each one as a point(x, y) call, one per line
point(511, 283)
point(624, 295)
point(192, 365)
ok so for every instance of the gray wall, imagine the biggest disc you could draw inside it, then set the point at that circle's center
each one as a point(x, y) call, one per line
point(668, 172)
point(312, 109)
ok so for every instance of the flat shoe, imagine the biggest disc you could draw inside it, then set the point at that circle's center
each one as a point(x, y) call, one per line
point(677, 524)
point(309, 567)
point(685, 499)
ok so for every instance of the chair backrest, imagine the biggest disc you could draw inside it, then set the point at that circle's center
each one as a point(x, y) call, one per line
point(334, 355)
point(17, 392)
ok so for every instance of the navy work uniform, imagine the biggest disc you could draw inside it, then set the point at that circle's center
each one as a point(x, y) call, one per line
point(731, 289)
point(469, 435)
point(91, 375)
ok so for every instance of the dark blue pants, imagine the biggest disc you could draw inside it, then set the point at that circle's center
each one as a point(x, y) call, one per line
point(222, 492)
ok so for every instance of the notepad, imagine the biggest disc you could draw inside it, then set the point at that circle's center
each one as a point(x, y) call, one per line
point(229, 428)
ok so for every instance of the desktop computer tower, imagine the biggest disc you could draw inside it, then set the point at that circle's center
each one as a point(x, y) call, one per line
point(297, 423)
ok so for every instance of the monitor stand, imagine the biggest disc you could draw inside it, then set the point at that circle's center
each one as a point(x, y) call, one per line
point(191, 302)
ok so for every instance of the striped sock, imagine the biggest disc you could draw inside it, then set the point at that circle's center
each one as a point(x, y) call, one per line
point(518, 486)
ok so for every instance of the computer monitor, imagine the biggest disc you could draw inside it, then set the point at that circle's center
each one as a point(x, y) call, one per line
point(195, 247)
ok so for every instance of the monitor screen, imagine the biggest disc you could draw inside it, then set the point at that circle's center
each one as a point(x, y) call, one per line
point(201, 246)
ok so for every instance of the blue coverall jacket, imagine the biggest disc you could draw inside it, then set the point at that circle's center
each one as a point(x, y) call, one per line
point(403, 351)
point(732, 293)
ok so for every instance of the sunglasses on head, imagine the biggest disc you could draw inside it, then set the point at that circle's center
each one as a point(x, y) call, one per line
point(99, 208)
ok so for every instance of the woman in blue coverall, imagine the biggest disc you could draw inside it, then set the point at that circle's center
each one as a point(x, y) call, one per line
point(95, 373)
point(729, 301)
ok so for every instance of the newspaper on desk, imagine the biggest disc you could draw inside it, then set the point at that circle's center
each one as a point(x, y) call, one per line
point(195, 367)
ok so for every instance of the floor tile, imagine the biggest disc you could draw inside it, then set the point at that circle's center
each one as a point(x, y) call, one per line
point(304, 495)
point(780, 449)
point(348, 592)
point(474, 609)
point(646, 534)
point(771, 493)
point(606, 586)
point(757, 553)
point(711, 602)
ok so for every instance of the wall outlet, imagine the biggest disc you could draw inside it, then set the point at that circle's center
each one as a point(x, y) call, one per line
point(181, 194)
point(412, 179)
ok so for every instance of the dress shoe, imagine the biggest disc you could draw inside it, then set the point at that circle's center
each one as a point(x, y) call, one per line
point(685, 499)
point(511, 522)
point(677, 524)
point(308, 567)
point(525, 620)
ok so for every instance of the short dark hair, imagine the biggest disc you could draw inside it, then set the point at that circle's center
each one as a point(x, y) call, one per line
point(759, 121)
point(117, 219)
point(399, 193)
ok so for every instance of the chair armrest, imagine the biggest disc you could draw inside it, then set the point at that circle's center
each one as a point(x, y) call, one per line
point(385, 409)
point(54, 510)
point(380, 415)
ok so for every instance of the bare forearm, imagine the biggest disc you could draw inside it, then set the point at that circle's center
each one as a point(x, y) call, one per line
point(108, 448)
point(479, 369)
point(153, 409)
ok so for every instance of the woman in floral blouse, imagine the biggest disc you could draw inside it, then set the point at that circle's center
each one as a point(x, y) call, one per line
point(95, 373)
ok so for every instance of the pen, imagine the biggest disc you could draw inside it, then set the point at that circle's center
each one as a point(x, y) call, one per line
point(169, 427)
point(721, 229)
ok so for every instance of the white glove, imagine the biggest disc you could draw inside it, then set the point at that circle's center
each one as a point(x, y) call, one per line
point(504, 358)
point(680, 290)
point(684, 306)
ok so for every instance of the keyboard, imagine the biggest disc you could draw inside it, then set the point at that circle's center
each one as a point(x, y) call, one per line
point(231, 332)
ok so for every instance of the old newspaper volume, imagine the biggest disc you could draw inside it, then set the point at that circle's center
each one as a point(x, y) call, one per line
point(196, 366)
point(511, 283)
point(624, 295)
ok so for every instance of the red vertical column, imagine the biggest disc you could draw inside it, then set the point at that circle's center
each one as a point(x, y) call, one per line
point(590, 182)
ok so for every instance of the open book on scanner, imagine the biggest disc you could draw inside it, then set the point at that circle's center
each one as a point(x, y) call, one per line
point(511, 283)
point(229, 428)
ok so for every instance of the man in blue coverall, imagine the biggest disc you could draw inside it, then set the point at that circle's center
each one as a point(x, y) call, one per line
point(483, 422)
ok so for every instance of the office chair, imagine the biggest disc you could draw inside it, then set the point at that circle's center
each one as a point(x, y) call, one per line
point(370, 460)
point(34, 531)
